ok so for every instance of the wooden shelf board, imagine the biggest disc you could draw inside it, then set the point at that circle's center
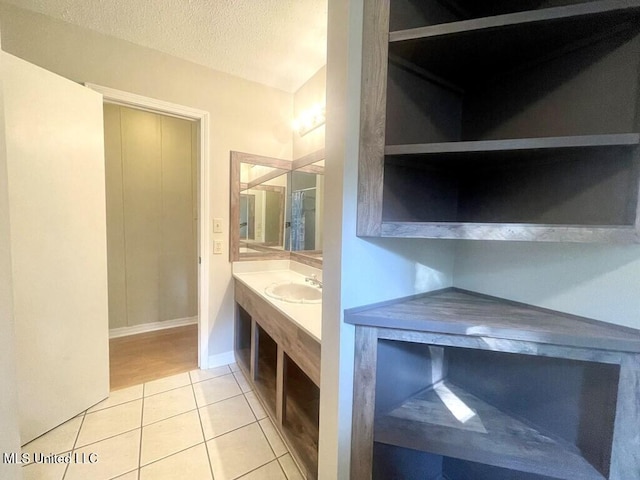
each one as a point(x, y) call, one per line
point(512, 232)
point(490, 436)
point(543, 143)
point(569, 12)
point(506, 42)
point(461, 312)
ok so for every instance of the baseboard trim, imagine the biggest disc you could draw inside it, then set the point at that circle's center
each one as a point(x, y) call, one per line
point(151, 327)
point(221, 359)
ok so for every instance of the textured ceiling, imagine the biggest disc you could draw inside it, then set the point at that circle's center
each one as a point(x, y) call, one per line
point(280, 43)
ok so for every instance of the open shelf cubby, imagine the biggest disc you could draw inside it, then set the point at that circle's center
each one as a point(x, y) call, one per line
point(243, 339)
point(457, 385)
point(543, 416)
point(512, 114)
point(301, 414)
point(266, 367)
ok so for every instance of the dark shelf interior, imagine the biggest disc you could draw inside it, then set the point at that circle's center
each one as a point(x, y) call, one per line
point(302, 413)
point(538, 415)
point(589, 92)
point(243, 338)
point(266, 367)
point(390, 461)
point(595, 186)
point(406, 14)
point(511, 42)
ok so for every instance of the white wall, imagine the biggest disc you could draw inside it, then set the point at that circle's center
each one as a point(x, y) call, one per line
point(355, 271)
point(245, 116)
point(311, 93)
point(596, 281)
point(9, 436)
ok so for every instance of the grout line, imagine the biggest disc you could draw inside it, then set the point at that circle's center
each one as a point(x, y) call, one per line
point(73, 447)
point(280, 463)
point(170, 455)
point(106, 438)
point(204, 439)
point(111, 406)
point(211, 378)
point(141, 430)
point(258, 468)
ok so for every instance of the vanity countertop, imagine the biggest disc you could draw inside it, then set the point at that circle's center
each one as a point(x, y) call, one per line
point(258, 275)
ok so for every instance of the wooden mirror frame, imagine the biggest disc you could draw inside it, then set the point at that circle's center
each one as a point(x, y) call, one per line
point(304, 164)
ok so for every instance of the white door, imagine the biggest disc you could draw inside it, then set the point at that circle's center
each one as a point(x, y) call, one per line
point(55, 164)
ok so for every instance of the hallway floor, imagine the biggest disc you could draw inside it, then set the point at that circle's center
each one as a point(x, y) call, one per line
point(197, 425)
point(140, 358)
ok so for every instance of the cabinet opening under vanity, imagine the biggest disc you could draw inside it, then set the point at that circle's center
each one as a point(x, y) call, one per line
point(243, 338)
point(301, 416)
point(266, 358)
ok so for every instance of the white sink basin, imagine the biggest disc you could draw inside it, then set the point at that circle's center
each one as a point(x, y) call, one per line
point(294, 292)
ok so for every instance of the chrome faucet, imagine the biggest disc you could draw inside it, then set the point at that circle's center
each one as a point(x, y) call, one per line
point(313, 280)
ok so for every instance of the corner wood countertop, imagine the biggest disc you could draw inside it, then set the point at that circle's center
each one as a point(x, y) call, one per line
point(461, 312)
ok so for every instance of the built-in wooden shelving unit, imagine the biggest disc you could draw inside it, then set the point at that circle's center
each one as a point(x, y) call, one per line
point(501, 120)
point(462, 386)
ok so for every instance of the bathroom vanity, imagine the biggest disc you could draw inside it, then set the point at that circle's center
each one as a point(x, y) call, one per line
point(277, 346)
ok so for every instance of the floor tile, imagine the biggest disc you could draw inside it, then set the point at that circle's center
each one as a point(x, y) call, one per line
point(239, 452)
point(43, 471)
point(290, 468)
point(170, 436)
point(242, 381)
point(278, 446)
point(271, 471)
point(192, 464)
point(167, 404)
point(167, 383)
point(111, 421)
point(224, 416)
point(202, 375)
point(115, 456)
point(256, 405)
point(216, 389)
point(119, 397)
point(60, 439)
point(234, 367)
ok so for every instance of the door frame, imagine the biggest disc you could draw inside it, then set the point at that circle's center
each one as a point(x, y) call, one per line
point(120, 97)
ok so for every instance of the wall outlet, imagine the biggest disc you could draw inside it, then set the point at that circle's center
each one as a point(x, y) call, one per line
point(217, 247)
point(217, 225)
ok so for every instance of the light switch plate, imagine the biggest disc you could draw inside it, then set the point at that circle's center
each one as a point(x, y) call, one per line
point(217, 247)
point(217, 225)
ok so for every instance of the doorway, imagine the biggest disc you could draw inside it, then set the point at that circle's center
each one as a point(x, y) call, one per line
point(175, 282)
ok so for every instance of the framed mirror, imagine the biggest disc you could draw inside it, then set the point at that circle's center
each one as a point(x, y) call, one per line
point(276, 208)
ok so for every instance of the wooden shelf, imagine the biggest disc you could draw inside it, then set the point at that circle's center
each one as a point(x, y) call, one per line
point(491, 388)
point(507, 42)
point(530, 189)
point(515, 145)
point(510, 232)
point(461, 312)
point(489, 436)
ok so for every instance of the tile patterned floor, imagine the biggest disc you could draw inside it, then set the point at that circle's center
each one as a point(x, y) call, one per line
point(200, 425)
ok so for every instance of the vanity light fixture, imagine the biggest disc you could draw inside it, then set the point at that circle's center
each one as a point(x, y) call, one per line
point(309, 120)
